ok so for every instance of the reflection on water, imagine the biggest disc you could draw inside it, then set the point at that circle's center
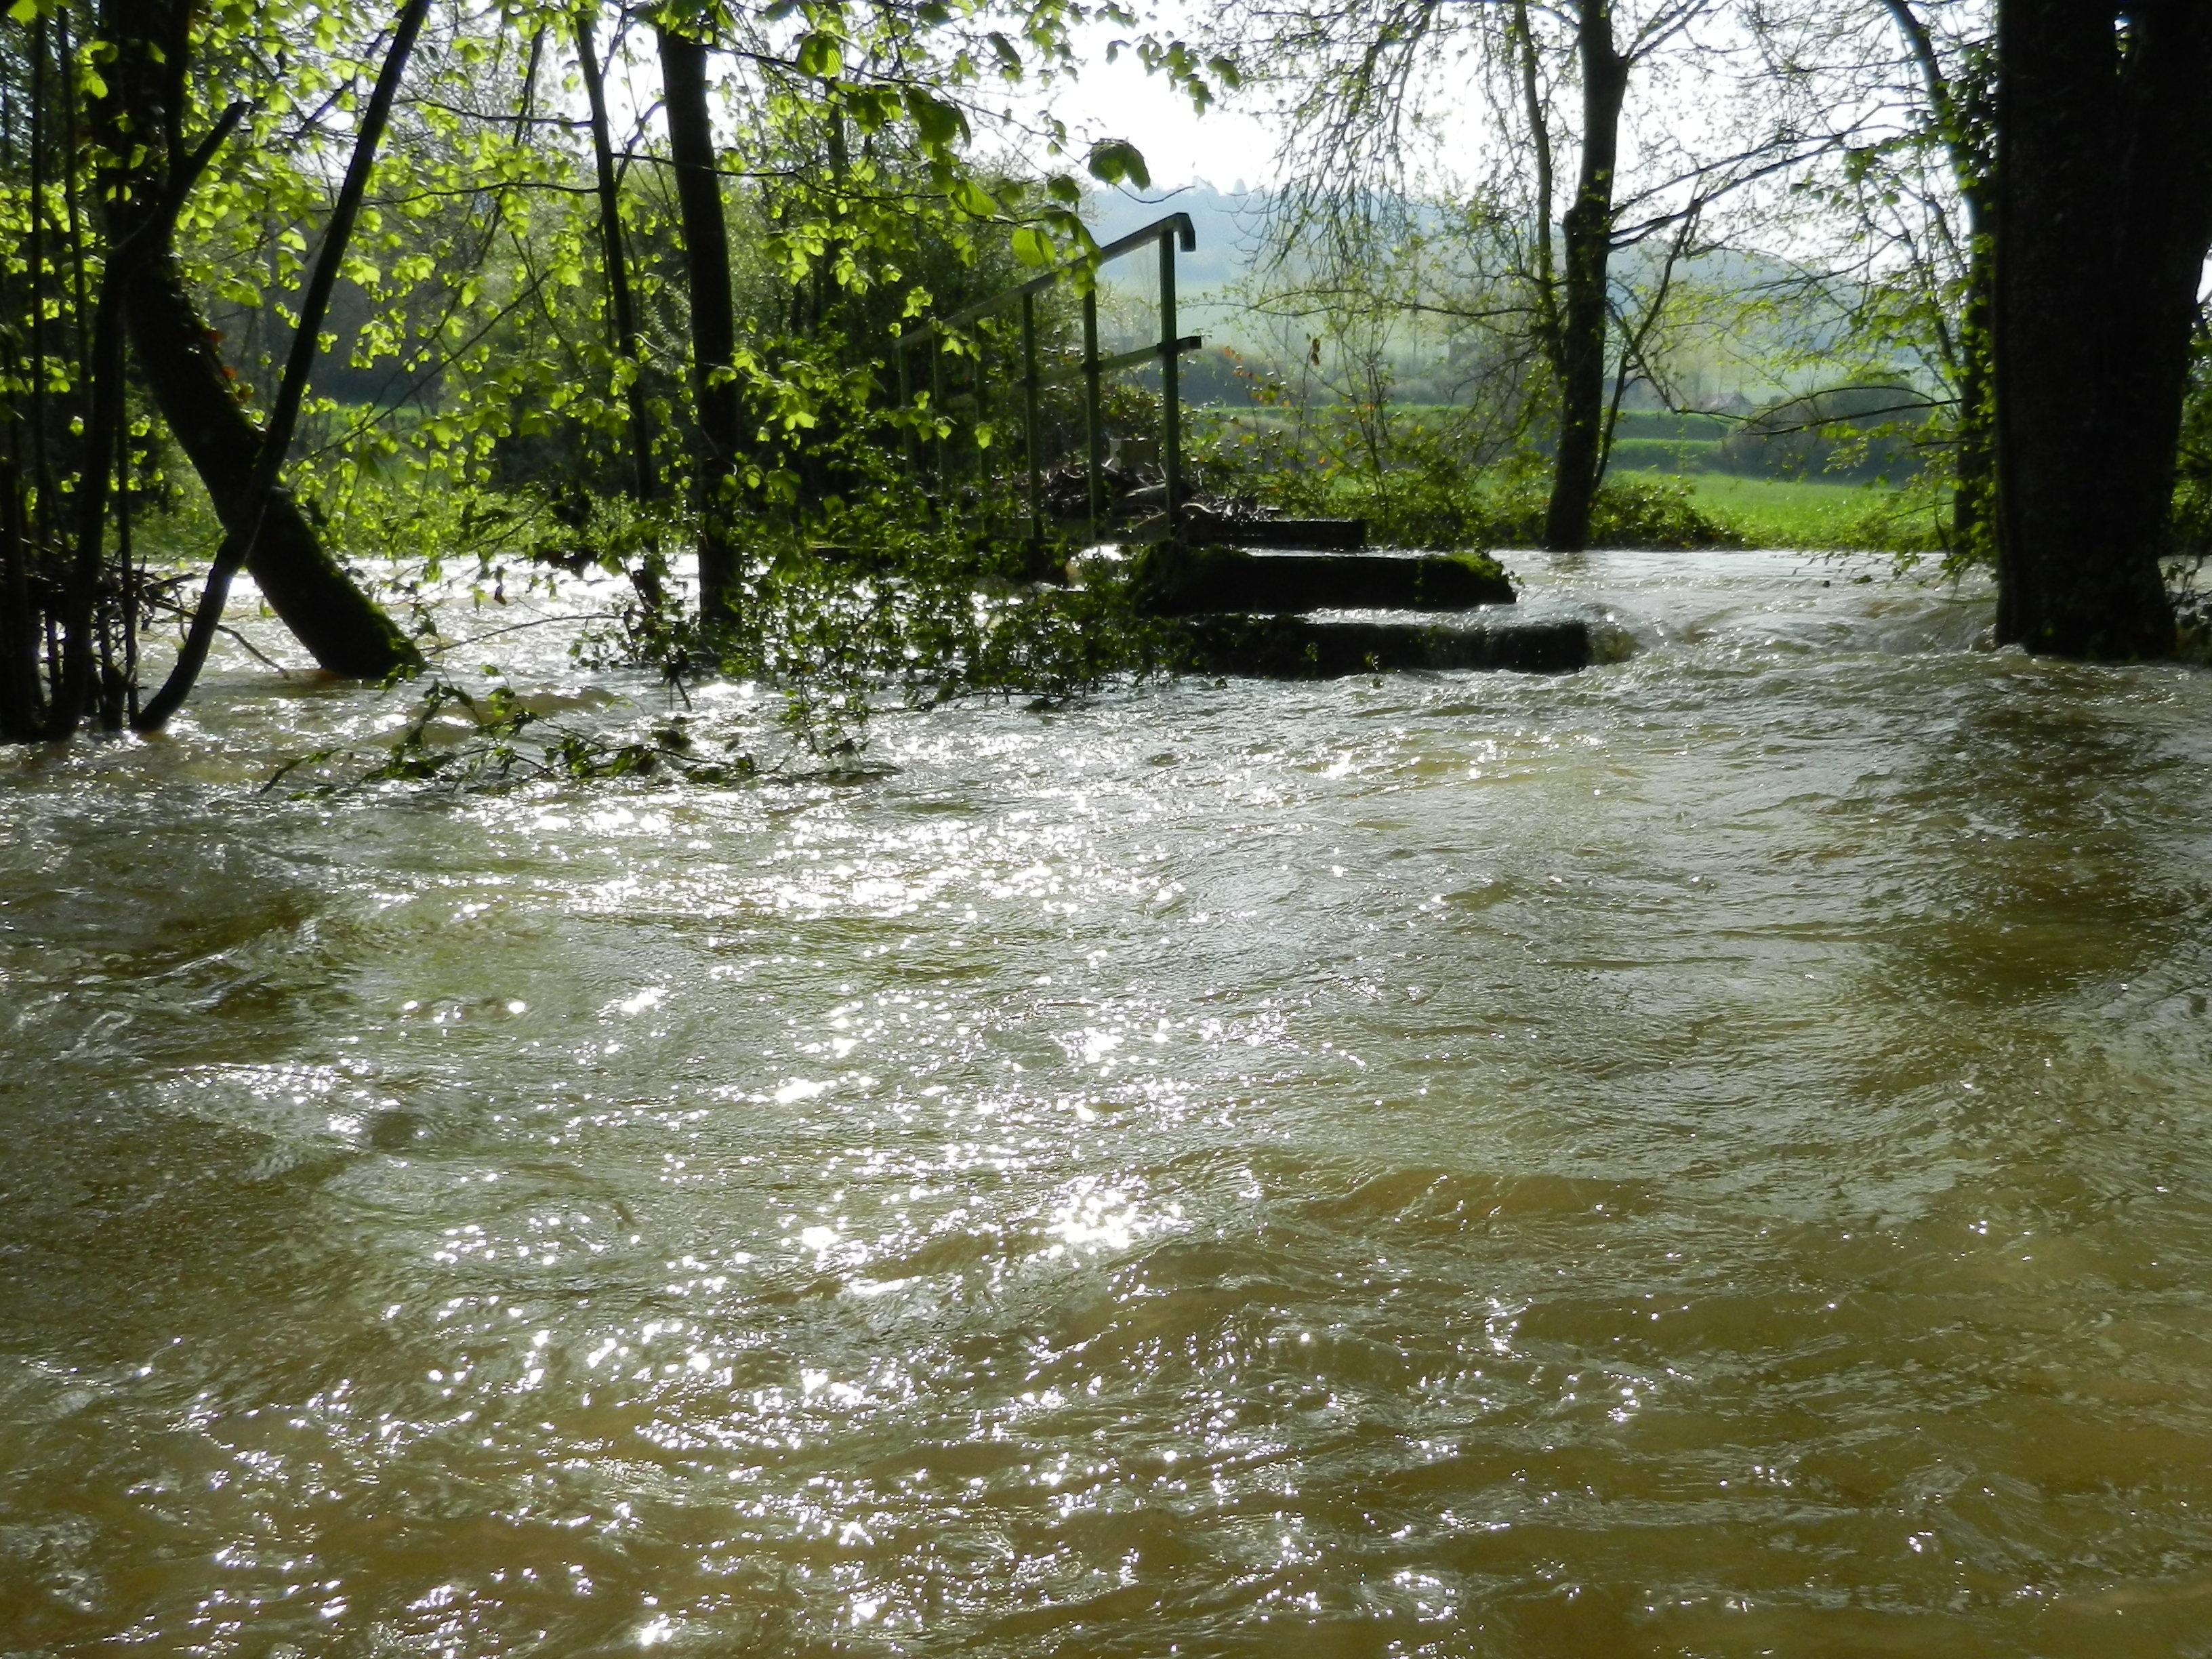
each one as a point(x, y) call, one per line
point(1703, 1156)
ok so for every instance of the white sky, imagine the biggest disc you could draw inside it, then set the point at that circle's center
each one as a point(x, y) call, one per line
point(1181, 147)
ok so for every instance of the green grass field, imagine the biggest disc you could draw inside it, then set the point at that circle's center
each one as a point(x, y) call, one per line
point(1816, 514)
point(1791, 514)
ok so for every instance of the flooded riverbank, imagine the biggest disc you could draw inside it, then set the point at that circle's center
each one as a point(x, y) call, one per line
point(1705, 1155)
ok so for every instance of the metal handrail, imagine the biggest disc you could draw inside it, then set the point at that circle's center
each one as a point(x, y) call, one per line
point(1186, 234)
point(1170, 234)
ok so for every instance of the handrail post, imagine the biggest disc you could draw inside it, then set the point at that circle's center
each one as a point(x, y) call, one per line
point(1094, 420)
point(1033, 438)
point(1170, 388)
point(1173, 232)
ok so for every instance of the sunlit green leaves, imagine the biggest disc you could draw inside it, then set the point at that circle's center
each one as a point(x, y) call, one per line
point(941, 124)
point(474, 337)
point(820, 55)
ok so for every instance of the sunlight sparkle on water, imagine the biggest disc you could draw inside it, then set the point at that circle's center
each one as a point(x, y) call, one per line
point(1247, 1170)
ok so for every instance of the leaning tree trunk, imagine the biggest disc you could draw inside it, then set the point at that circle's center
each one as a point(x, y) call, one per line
point(238, 544)
point(340, 626)
point(714, 320)
point(2104, 216)
point(1586, 237)
point(141, 124)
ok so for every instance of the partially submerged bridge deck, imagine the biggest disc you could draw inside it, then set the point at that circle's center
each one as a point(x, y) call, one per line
point(1249, 591)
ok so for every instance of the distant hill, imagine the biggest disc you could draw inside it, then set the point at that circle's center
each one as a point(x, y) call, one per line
point(1229, 223)
point(1226, 223)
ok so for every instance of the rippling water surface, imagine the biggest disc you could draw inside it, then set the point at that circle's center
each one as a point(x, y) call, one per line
point(1709, 1155)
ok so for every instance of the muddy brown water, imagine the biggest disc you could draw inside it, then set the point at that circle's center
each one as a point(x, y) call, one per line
point(1711, 1155)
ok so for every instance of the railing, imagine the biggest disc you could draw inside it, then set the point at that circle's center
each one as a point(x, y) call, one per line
point(1173, 232)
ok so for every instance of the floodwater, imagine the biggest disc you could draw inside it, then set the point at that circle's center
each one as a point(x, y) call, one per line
point(1711, 1155)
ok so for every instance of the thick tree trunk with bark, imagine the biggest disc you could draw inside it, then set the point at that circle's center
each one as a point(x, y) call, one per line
point(142, 122)
point(1586, 236)
point(2104, 217)
point(713, 320)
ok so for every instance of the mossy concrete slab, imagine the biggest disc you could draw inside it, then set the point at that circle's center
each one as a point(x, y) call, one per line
point(1328, 647)
point(1170, 580)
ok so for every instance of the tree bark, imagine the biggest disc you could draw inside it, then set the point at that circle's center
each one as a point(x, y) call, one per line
point(104, 424)
point(714, 320)
point(1586, 237)
point(621, 310)
point(23, 469)
point(2104, 219)
point(22, 710)
point(140, 127)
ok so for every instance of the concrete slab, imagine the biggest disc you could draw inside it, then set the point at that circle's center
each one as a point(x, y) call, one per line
point(1328, 647)
point(1171, 580)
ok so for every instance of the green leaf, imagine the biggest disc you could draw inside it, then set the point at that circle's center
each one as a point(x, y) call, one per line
point(820, 55)
point(1114, 160)
point(1029, 247)
point(940, 123)
point(24, 10)
point(872, 108)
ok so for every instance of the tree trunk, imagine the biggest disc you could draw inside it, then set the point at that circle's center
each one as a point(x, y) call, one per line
point(622, 311)
point(105, 425)
point(262, 488)
point(2103, 218)
point(1586, 236)
point(714, 320)
point(22, 710)
point(340, 626)
point(141, 120)
point(23, 469)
